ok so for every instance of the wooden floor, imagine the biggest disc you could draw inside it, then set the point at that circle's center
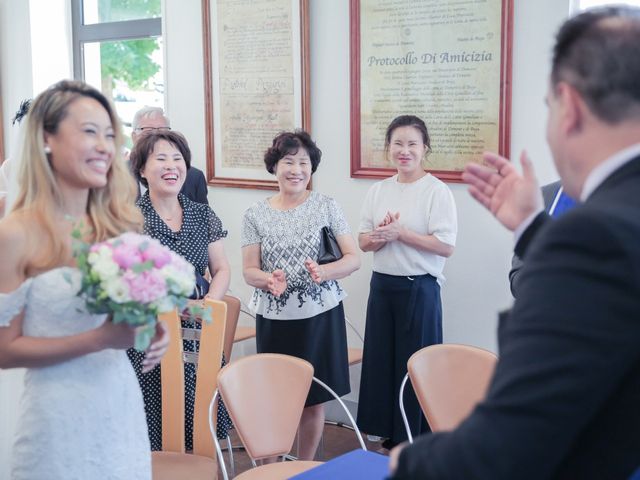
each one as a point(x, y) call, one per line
point(336, 441)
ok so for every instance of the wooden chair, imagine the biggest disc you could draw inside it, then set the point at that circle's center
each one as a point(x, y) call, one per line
point(239, 333)
point(264, 395)
point(172, 462)
point(233, 314)
point(449, 381)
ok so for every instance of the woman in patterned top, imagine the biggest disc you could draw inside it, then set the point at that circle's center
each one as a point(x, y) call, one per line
point(160, 161)
point(298, 303)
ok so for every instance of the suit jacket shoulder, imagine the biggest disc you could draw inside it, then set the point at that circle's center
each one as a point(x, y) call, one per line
point(195, 186)
point(566, 385)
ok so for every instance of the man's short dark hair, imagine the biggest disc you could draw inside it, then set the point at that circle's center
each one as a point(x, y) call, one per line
point(144, 147)
point(288, 143)
point(598, 53)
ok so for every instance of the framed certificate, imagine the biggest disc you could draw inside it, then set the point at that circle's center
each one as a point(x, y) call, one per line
point(256, 62)
point(446, 61)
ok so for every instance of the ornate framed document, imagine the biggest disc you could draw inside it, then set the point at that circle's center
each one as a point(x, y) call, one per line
point(446, 61)
point(256, 67)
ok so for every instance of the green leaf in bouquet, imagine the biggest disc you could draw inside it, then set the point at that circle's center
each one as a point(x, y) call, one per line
point(179, 302)
point(119, 317)
point(144, 335)
point(143, 246)
point(143, 267)
point(81, 262)
point(199, 312)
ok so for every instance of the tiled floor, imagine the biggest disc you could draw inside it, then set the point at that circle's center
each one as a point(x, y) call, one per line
point(336, 441)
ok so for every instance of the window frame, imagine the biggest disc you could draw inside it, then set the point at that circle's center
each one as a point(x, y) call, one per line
point(105, 32)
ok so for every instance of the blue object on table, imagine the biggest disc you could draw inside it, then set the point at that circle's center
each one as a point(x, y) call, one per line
point(355, 465)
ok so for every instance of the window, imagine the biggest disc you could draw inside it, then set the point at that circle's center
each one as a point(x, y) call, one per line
point(584, 4)
point(117, 48)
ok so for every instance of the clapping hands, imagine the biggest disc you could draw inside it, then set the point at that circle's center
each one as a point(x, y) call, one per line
point(389, 218)
point(277, 283)
point(388, 230)
point(316, 271)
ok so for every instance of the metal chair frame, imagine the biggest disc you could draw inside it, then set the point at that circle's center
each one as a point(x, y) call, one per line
point(284, 457)
point(403, 412)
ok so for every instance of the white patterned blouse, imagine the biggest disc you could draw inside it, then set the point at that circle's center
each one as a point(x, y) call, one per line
point(287, 238)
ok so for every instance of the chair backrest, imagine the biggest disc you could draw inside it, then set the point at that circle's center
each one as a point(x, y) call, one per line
point(449, 381)
point(264, 395)
point(233, 313)
point(172, 374)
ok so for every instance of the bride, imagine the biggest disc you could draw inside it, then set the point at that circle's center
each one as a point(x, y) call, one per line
point(81, 414)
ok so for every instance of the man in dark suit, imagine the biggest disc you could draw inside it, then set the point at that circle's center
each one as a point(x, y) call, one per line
point(148, 119)
point(564, 402)
point(556, 202)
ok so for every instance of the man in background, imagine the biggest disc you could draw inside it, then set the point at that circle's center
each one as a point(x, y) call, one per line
point(148, 119)
point(563, 402)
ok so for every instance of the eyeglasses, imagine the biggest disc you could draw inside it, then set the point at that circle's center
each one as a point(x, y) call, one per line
point(152, 129)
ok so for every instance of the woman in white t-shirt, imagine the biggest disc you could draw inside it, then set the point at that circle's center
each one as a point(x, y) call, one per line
point(409, 221)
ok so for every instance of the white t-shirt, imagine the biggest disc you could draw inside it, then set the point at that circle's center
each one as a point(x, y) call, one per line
point(426, 207)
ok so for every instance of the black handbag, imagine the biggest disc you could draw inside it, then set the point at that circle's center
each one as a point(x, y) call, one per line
point(201, 288)
point(329, 248)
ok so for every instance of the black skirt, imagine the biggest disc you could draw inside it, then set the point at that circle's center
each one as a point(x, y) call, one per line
point(320, 340)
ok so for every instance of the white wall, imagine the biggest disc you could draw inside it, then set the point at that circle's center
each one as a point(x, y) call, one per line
point(477, 286)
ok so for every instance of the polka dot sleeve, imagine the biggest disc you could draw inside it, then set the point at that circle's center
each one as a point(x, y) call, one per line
point(215, 230)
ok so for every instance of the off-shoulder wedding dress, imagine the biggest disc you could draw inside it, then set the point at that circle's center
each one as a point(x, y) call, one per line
point(82, 418)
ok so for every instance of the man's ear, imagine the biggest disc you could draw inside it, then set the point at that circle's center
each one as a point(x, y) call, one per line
point(571, 108)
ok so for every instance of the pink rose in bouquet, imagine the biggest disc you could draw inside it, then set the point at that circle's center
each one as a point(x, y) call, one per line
point(134, 278)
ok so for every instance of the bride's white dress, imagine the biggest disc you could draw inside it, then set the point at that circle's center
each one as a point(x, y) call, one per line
point(82, 418)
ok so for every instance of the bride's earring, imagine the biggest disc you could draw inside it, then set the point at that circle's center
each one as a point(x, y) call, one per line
point(47, 149)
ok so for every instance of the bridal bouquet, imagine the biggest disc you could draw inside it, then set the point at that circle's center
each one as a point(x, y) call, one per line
point(134, 278)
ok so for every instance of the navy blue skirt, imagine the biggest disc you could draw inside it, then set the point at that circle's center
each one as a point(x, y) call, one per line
point(320, 340)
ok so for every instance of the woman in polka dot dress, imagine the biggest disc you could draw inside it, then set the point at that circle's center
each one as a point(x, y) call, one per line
point(160, 161)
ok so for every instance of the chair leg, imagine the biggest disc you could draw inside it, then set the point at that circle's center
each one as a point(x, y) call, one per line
point(232, 464)
point(320, 450)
